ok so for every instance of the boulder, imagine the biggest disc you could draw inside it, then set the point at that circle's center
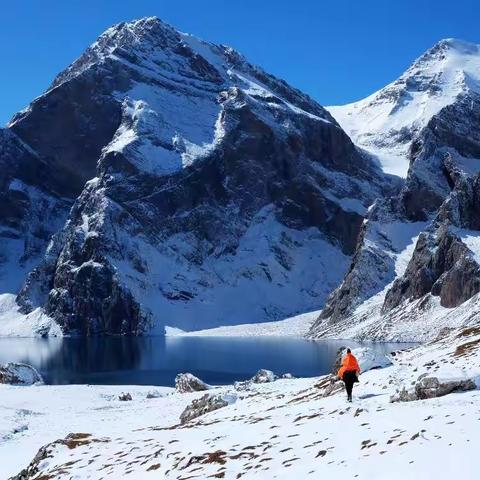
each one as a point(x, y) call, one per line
point(207, 403)
point(287, 376)
point(264, 376)
point(432, 387)
point(338, 359)
point(243, 386)
point(125, 397)
point(403, 395)
point(19, 374)
point(153, 394)
point(186, 382)
point(367, 358)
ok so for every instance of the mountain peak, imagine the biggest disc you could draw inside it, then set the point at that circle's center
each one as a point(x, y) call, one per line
point(151, 48)
point(458, 45)
point(385, 121)
point(137, 30)
point(124, 40)
point(448, 54)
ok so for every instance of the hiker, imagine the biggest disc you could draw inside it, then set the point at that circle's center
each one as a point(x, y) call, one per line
point(349, 372)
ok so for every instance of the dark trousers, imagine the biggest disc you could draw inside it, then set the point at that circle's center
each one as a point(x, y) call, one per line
point(349, 378)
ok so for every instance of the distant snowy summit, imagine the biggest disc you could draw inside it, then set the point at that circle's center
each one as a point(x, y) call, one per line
point(386, 122)
point(163, 180)
point(416, 270)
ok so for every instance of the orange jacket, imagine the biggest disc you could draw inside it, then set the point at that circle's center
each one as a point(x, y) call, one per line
point(349, 364)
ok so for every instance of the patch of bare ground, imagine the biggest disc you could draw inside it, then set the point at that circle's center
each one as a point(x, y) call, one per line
point(467, 332)
point(212, 457)
point(467, 348)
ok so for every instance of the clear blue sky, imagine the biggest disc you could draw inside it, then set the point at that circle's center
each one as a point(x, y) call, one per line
point(336, 50)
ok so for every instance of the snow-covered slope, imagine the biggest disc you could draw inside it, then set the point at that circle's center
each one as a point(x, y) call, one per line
point(15, 324)
point(285, 429)
point(206, 191)
point(417, 246)
point(297, 326)
point(386, 122)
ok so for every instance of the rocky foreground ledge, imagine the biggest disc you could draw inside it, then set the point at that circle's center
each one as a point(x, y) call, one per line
point(404, 419)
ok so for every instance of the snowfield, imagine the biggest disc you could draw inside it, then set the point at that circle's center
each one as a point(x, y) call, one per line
point(297, 326)
point(285, 429)
point(420, 320)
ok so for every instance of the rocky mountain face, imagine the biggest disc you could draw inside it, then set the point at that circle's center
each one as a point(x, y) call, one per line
point(31, 209)
point(162, 180)
point(418, 250)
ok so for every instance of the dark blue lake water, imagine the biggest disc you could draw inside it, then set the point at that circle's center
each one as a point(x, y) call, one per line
point(156, 360)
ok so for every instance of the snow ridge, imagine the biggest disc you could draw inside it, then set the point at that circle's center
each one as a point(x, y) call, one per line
point(386, 122)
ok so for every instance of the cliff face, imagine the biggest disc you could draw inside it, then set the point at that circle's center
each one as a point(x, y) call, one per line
point(203, 191)
point(30, 210)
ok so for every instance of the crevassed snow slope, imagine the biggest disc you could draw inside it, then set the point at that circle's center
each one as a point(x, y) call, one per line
point(385, 122)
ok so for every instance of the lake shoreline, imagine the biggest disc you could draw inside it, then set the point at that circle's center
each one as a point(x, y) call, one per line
point(157, 360)
point(288, 427)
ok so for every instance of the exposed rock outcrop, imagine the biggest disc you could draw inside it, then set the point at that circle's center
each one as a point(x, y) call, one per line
point(338, 360)
point(31, 210)
point(441, 264)
point(71, 441)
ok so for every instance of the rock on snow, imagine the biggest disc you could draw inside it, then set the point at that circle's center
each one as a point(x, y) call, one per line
point(186, 382)
point(19, 374)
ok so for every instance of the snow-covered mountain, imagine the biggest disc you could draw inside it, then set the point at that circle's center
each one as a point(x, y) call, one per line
point(386, 122)
point(418, 253)
point(171, 182)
